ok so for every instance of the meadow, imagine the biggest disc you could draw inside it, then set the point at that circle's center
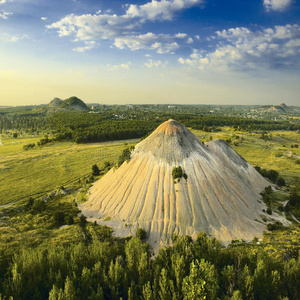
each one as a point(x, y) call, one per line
point(40, 170)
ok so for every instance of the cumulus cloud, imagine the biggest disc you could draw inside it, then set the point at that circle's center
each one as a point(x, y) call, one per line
point(2, 1)
point(44, 18)
point(242, 49)
point(4, 15)
point(87, 26)
point(277, 5)
point(121, 29)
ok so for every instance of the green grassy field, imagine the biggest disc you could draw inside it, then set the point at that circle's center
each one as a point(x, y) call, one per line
point(26, 173)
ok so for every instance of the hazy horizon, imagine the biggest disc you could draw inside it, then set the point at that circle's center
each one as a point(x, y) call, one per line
point(150, 52)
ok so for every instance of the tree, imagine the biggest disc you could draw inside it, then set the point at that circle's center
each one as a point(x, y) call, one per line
point(70, 293)
point(165, 286)
point(95, 170)
point(237, 295)
point(147, 292)
point(56, 294)
point(193, 284)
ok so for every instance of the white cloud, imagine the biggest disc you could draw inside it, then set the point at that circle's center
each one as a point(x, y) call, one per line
point(4, 15)
point(181, 35)
point(90, 27)
point(121, 29)
point(160, 10)
point(161, 43)
point(88, 46)
point(125, 66)
point(2, 1)
point(277, 5)
point(190, 40)
point(153, 64)
point(14, 38)
point(44, 18)
point(243, 49)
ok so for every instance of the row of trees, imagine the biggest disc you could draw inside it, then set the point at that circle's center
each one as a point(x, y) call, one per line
point(83, 127)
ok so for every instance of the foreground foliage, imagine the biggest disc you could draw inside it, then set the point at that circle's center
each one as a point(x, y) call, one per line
point(114, 269)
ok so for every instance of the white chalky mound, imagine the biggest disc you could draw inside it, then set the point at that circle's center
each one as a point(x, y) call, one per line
point(221, 195)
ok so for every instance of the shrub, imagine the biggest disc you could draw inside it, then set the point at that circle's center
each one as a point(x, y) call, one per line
point(95, 170)
point(281, 208)
point(70, 220)
point(274, 226)
point(125, 156)
point(294, 199)
point(269, 211)
point(59, 217)
point(281, 181)
point(141, 234)
point(28, 146)
point(177, 172)
point(83, 220)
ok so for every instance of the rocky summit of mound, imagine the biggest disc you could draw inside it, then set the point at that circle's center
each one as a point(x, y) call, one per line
point(220, 193)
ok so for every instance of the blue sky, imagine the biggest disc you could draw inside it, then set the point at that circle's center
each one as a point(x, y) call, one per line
point(171, 51)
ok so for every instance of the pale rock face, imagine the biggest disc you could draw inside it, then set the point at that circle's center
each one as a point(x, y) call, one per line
point(221, 195)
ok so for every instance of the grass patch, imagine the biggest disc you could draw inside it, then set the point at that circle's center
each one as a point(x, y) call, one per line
point(41, 170)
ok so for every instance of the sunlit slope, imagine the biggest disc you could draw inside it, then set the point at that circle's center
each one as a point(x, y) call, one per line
point(220, 195)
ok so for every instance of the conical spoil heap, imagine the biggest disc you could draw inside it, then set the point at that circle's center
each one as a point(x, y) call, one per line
point(221, 194)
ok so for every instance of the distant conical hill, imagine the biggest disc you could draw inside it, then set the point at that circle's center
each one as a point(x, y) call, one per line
point(70, 104)
point(218, 191)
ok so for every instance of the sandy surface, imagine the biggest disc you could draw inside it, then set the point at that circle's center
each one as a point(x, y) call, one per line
point(220, 196)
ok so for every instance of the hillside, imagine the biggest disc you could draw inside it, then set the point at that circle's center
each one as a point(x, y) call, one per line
point(70, 104)
point(282, 108)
